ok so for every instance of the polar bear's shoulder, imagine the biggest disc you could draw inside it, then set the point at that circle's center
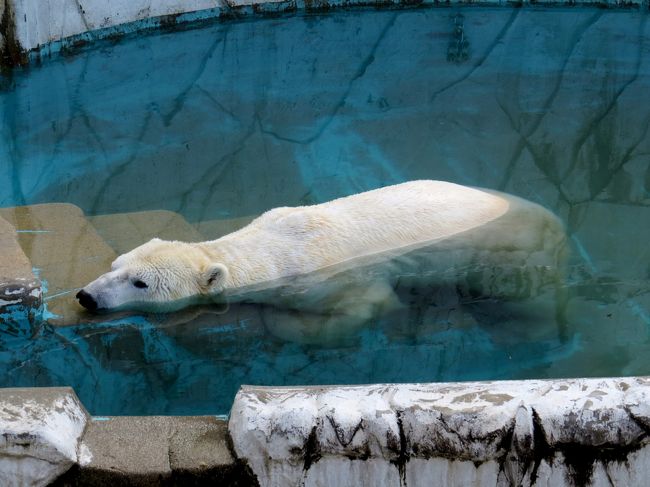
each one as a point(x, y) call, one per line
point(297, 220)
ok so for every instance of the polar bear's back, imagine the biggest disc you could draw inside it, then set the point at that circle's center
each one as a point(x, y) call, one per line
point(428, 209)
point(457, 225)
point(386, 219)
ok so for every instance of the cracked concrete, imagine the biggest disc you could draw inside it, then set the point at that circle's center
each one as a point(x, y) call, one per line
point(360, 71)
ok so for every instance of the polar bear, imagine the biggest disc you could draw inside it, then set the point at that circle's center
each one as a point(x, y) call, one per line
point(346, 257)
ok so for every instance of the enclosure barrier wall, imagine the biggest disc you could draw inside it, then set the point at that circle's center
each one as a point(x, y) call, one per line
point(565, 432)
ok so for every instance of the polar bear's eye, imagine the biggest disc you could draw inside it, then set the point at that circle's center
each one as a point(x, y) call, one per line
point(140, 284)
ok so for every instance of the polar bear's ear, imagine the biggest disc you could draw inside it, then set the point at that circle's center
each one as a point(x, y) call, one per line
point(213, 278)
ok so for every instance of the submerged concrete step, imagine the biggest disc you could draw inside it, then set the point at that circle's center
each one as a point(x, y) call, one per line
point(69, 249)
point(125, 231)
point(65, 249)
point(214, 229)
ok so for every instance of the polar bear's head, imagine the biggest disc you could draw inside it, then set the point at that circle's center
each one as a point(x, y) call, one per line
point(156, 273)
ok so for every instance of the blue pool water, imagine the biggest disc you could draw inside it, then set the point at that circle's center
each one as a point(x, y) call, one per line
point(220, 123)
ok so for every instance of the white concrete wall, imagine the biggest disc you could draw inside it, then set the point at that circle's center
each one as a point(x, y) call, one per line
point(544, 433)
point(40, 22)
point(564, 432)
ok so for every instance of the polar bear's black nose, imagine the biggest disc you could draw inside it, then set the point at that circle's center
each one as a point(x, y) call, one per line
point(86, 300)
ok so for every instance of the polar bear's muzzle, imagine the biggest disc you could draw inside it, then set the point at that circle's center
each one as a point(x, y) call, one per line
point(86, 300)
point(108, 291)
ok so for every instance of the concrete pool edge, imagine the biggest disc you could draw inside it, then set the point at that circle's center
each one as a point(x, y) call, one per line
point(530, 432)
point(48, 438)
point(32, 29)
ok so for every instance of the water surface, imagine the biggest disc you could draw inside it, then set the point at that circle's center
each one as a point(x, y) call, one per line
point(221, 123)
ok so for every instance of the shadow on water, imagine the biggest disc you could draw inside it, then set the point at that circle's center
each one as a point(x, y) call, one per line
point(224, 122)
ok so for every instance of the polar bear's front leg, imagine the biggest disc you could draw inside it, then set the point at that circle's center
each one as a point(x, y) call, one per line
point(339, 318)
point(309, 328)
point(367, 300)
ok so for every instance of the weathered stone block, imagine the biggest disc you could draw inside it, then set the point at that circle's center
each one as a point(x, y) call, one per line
point(557, 432)
point(40, 431)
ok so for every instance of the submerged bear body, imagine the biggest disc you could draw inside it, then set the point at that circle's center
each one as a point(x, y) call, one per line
point(347, 256)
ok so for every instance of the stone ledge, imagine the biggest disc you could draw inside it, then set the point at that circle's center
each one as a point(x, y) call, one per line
point(557, 432)
point(40, 432)
point(538, 432)
point(47, 438)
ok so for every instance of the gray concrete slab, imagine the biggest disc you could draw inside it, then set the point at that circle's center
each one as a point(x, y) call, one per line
point(157, 450)
point(198, 443)
point(125, 231)
point(14, 262)
point(130, 445)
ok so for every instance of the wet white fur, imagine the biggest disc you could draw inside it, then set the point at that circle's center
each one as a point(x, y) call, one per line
point(291, 241)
